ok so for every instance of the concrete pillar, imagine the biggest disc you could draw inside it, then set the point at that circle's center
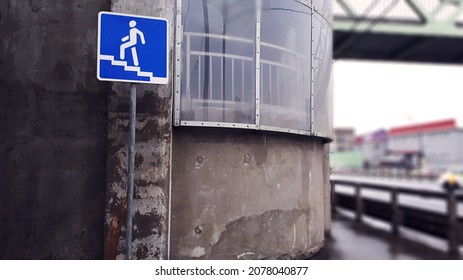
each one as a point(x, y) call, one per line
point(327, 193)
point(152, 160)
point(246, 194)
point(52, 131)
point(235, 193)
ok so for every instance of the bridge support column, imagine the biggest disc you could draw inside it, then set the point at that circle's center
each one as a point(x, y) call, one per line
point(358, 204)
point(452, 213)
point(152, 156)
point(396, 215)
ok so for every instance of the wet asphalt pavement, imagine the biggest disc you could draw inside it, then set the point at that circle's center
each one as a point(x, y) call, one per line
point(354, 241)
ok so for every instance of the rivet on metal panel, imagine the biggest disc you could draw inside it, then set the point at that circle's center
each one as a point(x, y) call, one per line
point(247, 158)
point(198, 230)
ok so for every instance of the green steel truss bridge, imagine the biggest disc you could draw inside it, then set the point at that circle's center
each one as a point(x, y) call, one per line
point(399, 30)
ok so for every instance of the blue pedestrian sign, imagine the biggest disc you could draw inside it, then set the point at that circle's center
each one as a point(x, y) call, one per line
point(132, 48)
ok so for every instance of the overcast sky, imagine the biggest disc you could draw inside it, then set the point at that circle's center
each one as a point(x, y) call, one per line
point(373, 95)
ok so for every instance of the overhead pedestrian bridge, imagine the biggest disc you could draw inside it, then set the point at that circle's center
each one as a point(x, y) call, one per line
point(399, 30)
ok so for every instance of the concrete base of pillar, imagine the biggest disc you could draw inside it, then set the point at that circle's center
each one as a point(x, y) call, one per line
point(240, 194)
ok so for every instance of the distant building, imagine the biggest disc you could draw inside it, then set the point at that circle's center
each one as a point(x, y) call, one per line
point(439, 144)
point(344, 139)
point(432, 145)
point(373, 146)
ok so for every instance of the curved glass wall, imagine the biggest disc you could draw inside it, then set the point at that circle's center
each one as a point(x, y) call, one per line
point(262, 64)
point(285, 65)
point(323, 85)
point(218, 57)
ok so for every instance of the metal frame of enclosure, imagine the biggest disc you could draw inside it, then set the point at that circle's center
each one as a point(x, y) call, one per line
point(244, 64)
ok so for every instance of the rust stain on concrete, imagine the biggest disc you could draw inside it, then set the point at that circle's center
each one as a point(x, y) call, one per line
point(114, 234)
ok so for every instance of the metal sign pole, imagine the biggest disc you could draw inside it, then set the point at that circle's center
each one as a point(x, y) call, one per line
point(130, 167)
point(148, 64)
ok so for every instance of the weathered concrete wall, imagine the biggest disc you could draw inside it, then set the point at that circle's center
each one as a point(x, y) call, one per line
point(327, 188)
point(63, 156)
point(152, 160)
point(246, 194)
point(52, 130)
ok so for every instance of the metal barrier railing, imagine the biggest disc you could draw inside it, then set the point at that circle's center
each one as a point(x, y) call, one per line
point(396, 211)
point(389, 173)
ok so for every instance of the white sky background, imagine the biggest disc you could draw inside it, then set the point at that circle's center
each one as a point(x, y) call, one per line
point(373, 95)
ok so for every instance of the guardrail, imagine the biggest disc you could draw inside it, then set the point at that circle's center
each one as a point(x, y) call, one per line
point(440, 225)
point(390, 173)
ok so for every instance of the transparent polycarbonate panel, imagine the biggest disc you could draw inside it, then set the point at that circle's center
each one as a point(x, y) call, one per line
point(218, 61)
point(285, 65)
point(324, 7)
point(323, 84)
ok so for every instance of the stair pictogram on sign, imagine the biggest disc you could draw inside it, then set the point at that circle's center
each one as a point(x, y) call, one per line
point(126, 67)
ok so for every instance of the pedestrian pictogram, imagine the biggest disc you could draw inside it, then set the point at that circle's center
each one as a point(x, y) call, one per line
point(132, 48)
point(132, 41)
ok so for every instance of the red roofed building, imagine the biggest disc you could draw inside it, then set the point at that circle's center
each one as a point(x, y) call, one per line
point(424, 127)
point(440, 142)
